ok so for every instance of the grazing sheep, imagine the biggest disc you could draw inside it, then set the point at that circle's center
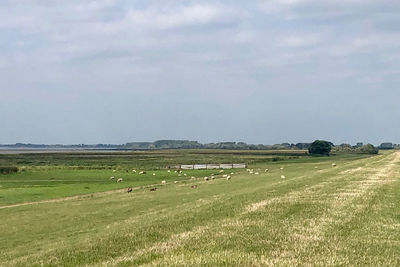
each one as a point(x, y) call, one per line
point(266, 170)
point(221, 171)
point(232, 173)
point(256, 173)
point(164, 182)
point(175, 171)
point(179, 175)
point(153, 189)
point(114, 170)
point(333, 164)
point(206, 178)
point(175, 182)
point(119, 180)
point(283, 176)
point(184, 174)
point(194, 186)
point(281, 168)
point(228, 177)
point(315, 167)
point(142, 172)
point(169, 171)
point(193, 177)
point(180, 171)
point(251, 172)
point(134, 171)
point(112, 178)
point(212, 177)
point(154, 174)
point(129, 189)
point(225, 175)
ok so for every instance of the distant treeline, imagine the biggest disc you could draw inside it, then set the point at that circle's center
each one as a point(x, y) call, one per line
point(184, 144)
point(163, 144)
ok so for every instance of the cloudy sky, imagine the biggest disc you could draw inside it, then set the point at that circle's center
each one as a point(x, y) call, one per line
point(114, 71)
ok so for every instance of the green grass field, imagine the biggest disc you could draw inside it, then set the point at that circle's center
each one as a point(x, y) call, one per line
point(67, 212)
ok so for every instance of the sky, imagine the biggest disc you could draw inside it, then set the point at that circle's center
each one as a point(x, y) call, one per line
point(261, 72)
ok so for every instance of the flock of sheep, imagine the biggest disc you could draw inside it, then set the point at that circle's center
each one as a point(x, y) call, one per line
point(206, 178)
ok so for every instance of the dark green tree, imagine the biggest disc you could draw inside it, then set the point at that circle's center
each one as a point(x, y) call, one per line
point(320, 147)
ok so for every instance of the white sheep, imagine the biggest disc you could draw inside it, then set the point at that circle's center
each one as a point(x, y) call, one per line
point(154, 173)
point(281, 168)
point(232, 173)
point(228, 177)
point(212, 177)
point(142, 172)
point(283, 176)
point(119, 180)
point(256, 173)
point(114, 170)
point(193, 177)
point(163, 182)
point(175, 182)
point(206, 178)
point(169, 171)
point(225, 175)
point(134, 171)
point(221, 171)
point(333, 164)
point(184, 174)
point(266, 170)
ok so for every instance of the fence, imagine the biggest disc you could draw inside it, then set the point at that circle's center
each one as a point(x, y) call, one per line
point(212, 166)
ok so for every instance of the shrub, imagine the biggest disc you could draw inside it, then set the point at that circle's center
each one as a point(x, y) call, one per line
point(369, 149)
point(8, 169)
point(320, 147)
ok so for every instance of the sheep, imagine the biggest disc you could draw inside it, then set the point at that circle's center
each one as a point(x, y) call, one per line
point(256, 173)
point(119, 180)
point(164, 182)
point(283, 176)
point(175, 171)
point(134, 171)
point(281, 168)
point(114, 170)
point(206, 178)
point(251, 172)
point(142, 172)
point(228, 177)
point(225, 175)
point(179, 175)
point(153, 189)
point(194, 186)
point(232, 173)
point(154, 174)
point(192, 177)
point(266, 170)
point(112, 178)
point(175, 182)
point(333, 164)
point(212, 177)
point(184, 174)
point(129, 189)
point(169, 171)
point(221, 171)
point(316, 167)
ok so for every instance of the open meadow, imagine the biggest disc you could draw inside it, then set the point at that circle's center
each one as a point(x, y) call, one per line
point(285, 209)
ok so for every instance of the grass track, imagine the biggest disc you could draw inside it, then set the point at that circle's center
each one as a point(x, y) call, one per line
point(322, 217)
